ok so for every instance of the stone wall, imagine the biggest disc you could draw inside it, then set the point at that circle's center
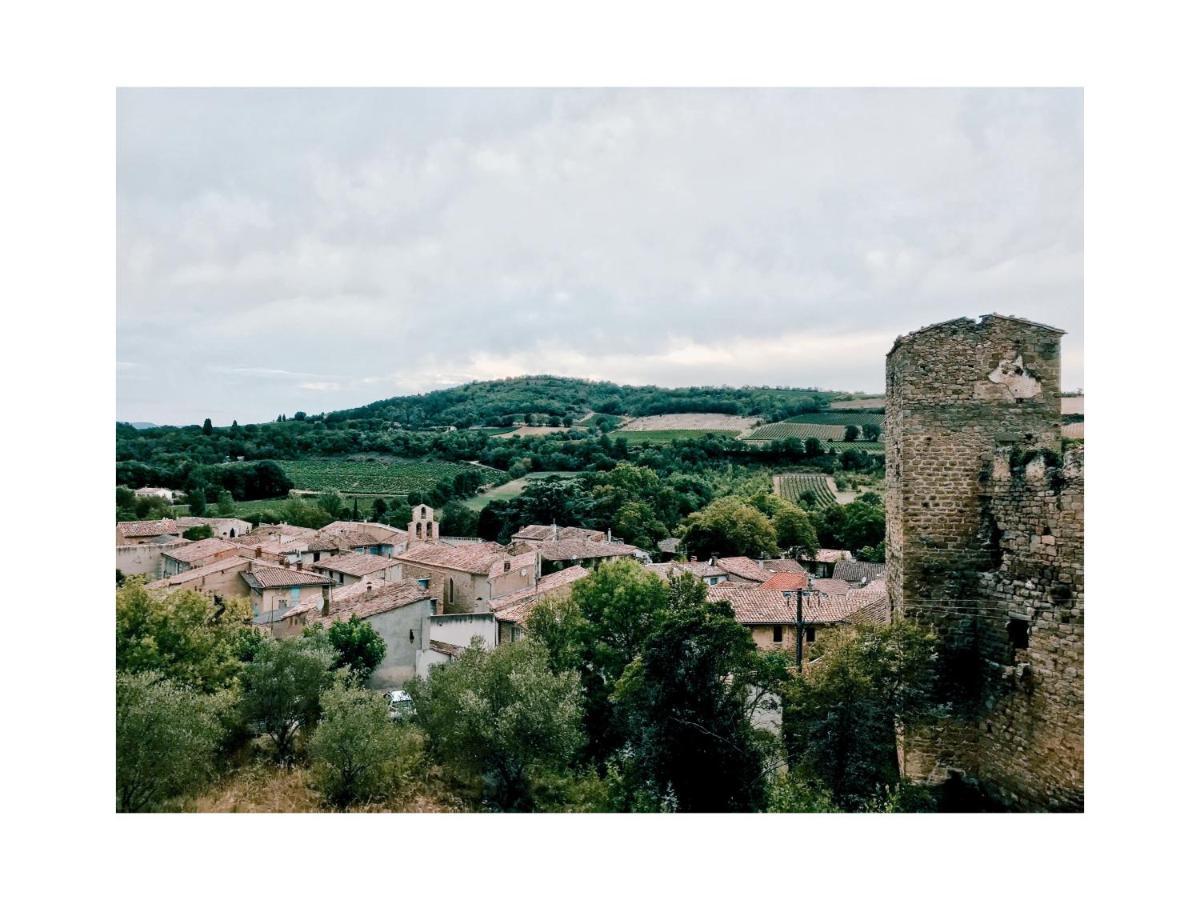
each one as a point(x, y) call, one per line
point(985, 533)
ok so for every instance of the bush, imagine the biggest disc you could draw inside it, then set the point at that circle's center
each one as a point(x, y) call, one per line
point(358, 754)
point(167, 738)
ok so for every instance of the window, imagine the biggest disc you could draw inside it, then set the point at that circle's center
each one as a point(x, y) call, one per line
point(777, 634)
point(810, 634)
point(1018, 634)
point(295, 593)
point(424, 583)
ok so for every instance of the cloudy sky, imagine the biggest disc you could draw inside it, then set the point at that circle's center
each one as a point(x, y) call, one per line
point(284, 250)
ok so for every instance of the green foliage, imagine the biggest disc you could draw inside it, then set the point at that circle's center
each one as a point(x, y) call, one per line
point(851, 435)
point(197, 505)
point(184, 635)
point(840, 719)
point(167, 738)
point(282, 686)
point(331, 503)
point(730, 527)
point(357, 646)
point(358, 754)
point(198, 532)
point(793, 794)
point(498, 719)
point(685, 704)
point(459, 520)
point(207, 428)
point(871, 431)
point(853, 526)
point(225, 505)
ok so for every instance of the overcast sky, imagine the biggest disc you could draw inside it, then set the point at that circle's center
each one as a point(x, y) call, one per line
point(284, 250)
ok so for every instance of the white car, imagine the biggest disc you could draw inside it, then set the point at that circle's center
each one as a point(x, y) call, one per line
point(400, 705)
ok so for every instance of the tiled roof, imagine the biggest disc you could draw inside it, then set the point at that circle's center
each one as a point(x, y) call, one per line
point(359, 564)
point(755, 605)
point(183, 578)
point(669, 545)
point(786, 581)
point(261, 576)
point(855, 570)
point(150, 528)
point(517, 607)
point(347, 539)
point(217, 523)
point(451, 650)
point(367, 598)
point(834, 587)
point(558, 551)
point(515, 563)
point(743, 567)
point(699, 569)
point(548, 533)
point(782, 565)
point(873, 603)
point(474, 558)
point(191, 552)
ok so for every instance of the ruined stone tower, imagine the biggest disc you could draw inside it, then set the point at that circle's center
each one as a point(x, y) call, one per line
point(985, 543)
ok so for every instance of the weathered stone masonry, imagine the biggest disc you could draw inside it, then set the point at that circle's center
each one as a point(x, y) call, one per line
point(985, 528)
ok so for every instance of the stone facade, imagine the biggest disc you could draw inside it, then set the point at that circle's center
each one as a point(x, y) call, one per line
point(985, 539)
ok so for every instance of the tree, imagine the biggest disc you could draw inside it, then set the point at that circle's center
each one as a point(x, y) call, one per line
point(498, 719)
point(871, 431)
point(198, 532)
point(686, 703)
point(795, 531)
point(300, 416)
point(330, 503)
point(730, 527)
point(225, 505)
point(185, 636)
point(167, 738)
point(281, 689)
point(840, 719)
point(851, 434)
point(358, 754)
point(207, 427)
point(459, 519)
point(380, 509)
point(358, 647)
point(197, 505)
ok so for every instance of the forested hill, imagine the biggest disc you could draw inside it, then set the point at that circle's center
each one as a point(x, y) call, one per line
point(492, 402)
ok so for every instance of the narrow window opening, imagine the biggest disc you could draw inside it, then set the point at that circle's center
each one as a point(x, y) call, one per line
point(1018, 634)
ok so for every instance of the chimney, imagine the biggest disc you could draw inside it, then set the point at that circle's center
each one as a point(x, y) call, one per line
point(610, 535)
point(258, 552)
point(712, 560)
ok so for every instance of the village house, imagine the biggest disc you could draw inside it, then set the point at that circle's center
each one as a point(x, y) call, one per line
point(160, 492)
point(221, 527)
point(747, 570)
point(706, 572)
point(822, 563)
point(668, 548)
point(512, 612)
point(278, 544)
point(856, 571)
point(145, 557)
point(195, 554)
point(537, 534)
point(348, 568)
point(221, 578)
point(563, 554)
point(276, 589)
point(400, 611)
point(473, 574)
point(144, 532)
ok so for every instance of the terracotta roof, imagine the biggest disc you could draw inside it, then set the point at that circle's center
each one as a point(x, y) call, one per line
point(782, 565)
point(786, 581)
point(875, 606)
point(755, 605)
point(451, 650)
point(359, 564)
point(558, 551)
point(221, 565)
point(367, 598)
point(743, 567)
point(261, 576)
point(345, 540)
point(699, 569)
point(517, 607)
point(149, 529)
point(834, 587)
point(195, 550)
point(548, 533)
point(854, 570)
point(216, 522)
point(474, 558)
point(669, 545)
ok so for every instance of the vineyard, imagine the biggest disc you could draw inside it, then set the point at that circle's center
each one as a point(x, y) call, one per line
point(665, 437)
point(839, 418)
point(376, 476)
point(810, 488)
point(778, 431)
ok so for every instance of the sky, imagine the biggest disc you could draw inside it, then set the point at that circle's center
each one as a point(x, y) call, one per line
point(285, 250)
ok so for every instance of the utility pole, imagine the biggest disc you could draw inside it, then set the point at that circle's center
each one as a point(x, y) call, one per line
point(800, 597)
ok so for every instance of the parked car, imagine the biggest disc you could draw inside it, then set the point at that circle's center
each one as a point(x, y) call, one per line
point(400, 705)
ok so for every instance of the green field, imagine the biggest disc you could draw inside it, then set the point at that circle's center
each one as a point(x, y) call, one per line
point(665, 437)
point(377, 477)
point(510, 489)
point(839, 418)
point(813, 487)
point(778, 431)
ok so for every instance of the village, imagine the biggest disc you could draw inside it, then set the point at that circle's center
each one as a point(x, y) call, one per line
point(431, 595)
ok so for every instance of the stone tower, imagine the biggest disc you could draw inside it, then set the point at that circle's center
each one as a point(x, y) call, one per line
point(985, 544)
point(422, 526)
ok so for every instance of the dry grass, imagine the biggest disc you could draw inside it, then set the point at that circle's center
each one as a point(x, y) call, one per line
point(267, 788)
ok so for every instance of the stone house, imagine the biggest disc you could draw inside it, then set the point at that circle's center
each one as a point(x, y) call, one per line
point(195, 554)
point(145, 557)
point(276, 589)
point(221, 578)
point(160, 492)
point(399, 610)
point(512, 612)
point(562, 554)
point(348, 568)
point(222, 527)
point(538, 534)
point(706, 572)
point(747, 570)
point(144, 532)
point(472, 574)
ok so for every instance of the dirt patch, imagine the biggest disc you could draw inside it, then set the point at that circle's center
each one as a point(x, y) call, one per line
point(532, 431)
point(691, 422)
